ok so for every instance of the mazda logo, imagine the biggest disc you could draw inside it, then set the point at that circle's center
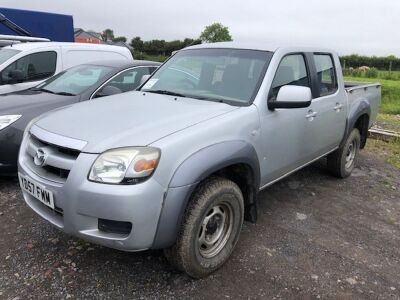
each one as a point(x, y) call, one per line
point(40, 157)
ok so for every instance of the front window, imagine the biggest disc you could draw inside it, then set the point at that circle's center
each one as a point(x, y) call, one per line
point(225, 75)
point(75, 80)
point(32, 67)
point(6, 54)
point(126, 81)
point(292, 70)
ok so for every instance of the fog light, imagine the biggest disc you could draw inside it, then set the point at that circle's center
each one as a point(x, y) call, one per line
point(117, 227)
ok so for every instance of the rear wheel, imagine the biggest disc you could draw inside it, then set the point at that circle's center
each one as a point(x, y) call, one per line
point(210, 229)
point(341, 162)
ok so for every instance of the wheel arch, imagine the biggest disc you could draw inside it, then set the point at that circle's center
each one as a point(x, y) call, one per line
point(234, 160)
point(358, 117)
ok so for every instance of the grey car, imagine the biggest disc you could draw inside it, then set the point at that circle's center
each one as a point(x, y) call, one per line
point(178, 165)
point(77, 84)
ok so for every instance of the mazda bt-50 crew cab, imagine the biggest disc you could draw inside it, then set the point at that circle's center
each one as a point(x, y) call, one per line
point(178, 164)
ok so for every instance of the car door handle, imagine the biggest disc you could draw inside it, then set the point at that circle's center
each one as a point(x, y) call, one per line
point(311, 115)
point(338, 107)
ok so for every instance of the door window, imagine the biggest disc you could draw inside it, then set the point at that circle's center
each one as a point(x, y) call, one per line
point(34, 67)
point(326, 74)
point(291, 71)
point(126, 81)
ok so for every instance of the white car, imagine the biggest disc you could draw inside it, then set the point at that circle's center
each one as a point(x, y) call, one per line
point(25, 65)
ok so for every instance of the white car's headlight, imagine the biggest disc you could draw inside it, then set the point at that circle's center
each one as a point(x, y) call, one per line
point(8, 120)
point(129, 165)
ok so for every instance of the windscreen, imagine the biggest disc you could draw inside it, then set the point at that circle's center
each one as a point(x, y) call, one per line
point(232, 76)
point(75, 80)
point(5, 54)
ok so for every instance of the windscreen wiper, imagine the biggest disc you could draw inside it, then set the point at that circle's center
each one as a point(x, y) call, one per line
point(165, 92)
point(219, 100)
point(64, 94)
point(55, 93)
point(43, 90)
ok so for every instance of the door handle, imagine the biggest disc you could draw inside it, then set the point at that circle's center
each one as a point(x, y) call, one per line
point(338, 107)
point(311, 115)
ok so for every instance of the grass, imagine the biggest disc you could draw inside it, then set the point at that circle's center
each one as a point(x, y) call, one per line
point(388, 122)
point(393, 75)
point(390, 151)
point(390, 93)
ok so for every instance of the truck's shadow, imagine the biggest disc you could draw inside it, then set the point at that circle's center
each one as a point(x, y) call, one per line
point(75, 256)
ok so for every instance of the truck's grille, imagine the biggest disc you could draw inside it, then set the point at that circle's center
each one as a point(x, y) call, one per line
point(49, 161)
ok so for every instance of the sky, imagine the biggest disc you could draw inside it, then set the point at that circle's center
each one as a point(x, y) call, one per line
point(369, 27)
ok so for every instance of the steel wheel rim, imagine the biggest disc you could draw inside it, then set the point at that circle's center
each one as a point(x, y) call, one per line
point(215, 230)
point(351, 154)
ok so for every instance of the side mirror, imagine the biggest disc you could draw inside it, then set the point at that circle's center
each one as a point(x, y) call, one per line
point(109, 90)
point(292, 96)
point(144, 79)
point(16, 76)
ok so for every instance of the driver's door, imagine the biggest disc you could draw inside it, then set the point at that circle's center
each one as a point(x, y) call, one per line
point(286, 133)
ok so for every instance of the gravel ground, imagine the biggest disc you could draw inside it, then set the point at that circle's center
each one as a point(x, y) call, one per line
point(317, 237)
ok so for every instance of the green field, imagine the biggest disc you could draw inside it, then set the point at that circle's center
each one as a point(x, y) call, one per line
point(390, 93)
point(389, 117)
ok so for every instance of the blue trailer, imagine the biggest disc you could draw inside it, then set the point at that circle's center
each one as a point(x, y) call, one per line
point(55, 27)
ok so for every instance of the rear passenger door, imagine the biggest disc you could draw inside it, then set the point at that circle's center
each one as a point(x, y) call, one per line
point(329, 105)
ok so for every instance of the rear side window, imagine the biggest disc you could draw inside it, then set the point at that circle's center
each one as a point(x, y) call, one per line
point(326, 74)
point(291, 71)
point(34, 67)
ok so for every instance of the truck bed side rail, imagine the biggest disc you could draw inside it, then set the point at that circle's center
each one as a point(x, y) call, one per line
point(352, 86)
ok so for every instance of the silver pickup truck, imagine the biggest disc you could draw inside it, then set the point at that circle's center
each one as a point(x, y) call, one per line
point(178, 164)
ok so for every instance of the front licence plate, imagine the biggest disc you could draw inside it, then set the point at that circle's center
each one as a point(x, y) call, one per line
point(37, 191)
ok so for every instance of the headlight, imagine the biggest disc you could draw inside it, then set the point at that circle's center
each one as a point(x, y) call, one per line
point(8, 120)
point(125, 165)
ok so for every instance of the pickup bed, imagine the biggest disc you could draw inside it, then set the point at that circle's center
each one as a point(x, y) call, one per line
point(178, 164)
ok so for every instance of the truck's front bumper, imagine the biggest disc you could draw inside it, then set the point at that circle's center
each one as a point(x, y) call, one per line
point(81, 204)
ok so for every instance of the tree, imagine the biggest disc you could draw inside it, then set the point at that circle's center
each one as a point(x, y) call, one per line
point(119, 39)
point(215, 33)
point(107, 35)
point(190, 42)
point(137, 43)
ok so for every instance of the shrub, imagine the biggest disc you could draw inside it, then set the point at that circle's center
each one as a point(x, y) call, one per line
point(371, 73)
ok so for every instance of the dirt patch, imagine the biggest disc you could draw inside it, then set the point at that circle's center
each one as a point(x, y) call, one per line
point(317, 237)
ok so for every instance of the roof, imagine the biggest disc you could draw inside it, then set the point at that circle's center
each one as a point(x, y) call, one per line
point(267, 46)
point(123, 64)
point(38, 45)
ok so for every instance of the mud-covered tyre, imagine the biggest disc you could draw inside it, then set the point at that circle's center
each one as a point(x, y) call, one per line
point(210, 229)
point(341, 162)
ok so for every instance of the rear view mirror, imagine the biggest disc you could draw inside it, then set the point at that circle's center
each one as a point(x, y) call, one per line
point(16, 76)
point(292, 96)
point(109, 90)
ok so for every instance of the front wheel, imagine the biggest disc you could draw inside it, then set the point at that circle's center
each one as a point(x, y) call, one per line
point(210, 229)
point(341, 162)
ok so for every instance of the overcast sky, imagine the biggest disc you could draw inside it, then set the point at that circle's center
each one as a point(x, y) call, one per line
point(349, 26)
